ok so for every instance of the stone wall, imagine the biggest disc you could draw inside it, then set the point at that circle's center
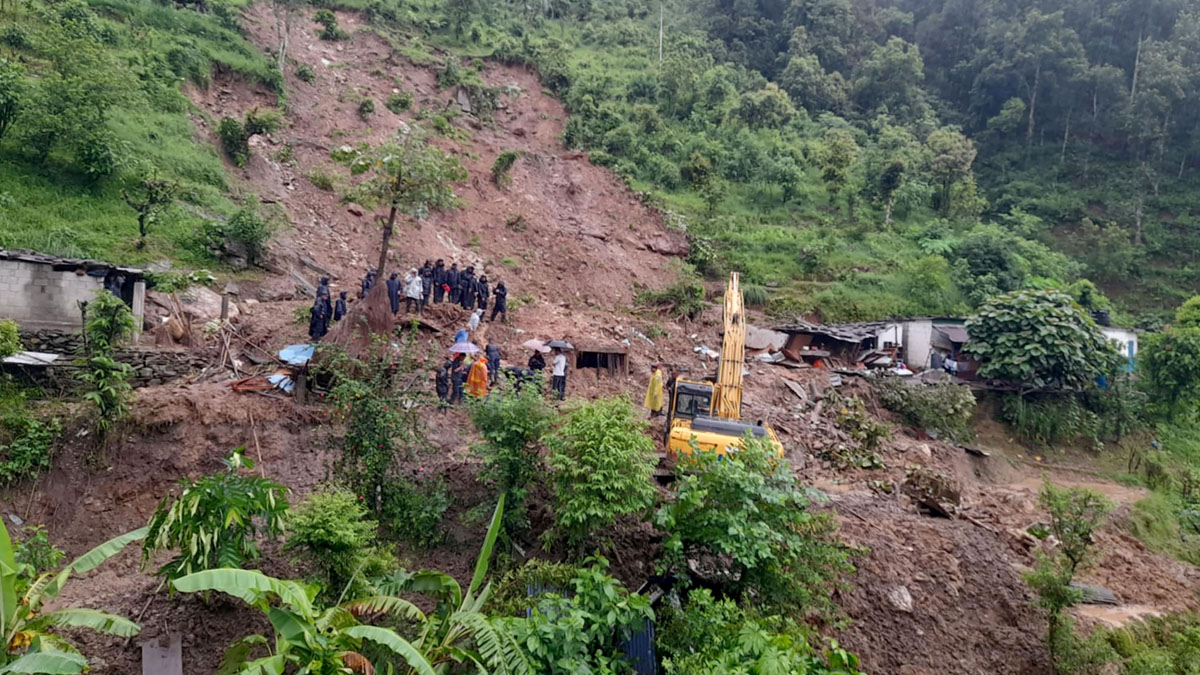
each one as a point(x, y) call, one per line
point(35, 295)
point(151, 365)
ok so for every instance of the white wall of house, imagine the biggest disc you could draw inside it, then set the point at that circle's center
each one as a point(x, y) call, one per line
point(1125, 339)
point(36, 296)
point(917, 338)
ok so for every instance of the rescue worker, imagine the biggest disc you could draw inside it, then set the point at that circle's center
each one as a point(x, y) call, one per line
point(482, 293)
point(500, 306)
point(654, 392)
point(367, 283)
point(426, 284)
point(318, 322)
point(339, 309)
point(537, 363)
point(477, 379)
point(458, 375)
point(466, 288)
point(393, 291)
point(442, 384)
point(453, 276)
point(413, 288)
point(323, 287)
point(439, 280)
point(493, 358)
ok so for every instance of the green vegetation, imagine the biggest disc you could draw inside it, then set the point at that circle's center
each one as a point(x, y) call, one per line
point(400, 101)
point(10, 338)
point(502, 166)
point(30, 633)
point(945, 408)
point(512, 425)
point(602, 464)
point(216, 520)
point(242, 239)
point(1166, 645)
point(747, 510)
point(684, 298)
point(366, 108)
point(94, 107)
point(1075, 514)
point(331, 530)
point(329, 25)
point(109, 322)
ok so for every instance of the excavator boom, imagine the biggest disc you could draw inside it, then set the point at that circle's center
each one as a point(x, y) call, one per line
point(733, 354)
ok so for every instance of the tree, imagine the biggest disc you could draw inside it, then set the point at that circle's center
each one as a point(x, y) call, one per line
point(890, 182)
point(12, 86)
point(787, 174)
point(512, 425)
point(602, 465)
point(747, 510)
point(408, 176)
point(836, 157)
point(215, 520)
point(891, 78)
point(331, 529)
point(31, 643)
point(1040, 339)
point(769, 107)
point(10, 338)
point(952, 156)
point(109, 322)
point(1187, 315)
point(1169, 363)
point(152, 195)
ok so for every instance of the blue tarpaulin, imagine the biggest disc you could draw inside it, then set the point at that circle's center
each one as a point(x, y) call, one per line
point(297, 355)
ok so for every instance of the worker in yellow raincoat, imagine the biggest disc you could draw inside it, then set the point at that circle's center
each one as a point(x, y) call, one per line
point(477, 378)
point(654, 392)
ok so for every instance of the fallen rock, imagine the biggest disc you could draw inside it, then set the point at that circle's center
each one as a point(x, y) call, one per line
point(933, 492)
point(355, 210)
point(664, 245)
point(900, 599)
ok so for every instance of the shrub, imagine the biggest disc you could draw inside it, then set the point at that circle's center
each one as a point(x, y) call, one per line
point(512, 425)
point(710, 636)
point(1169, 363)
point(366, 108)
point(234, 140)
point(15, 36)
point(10, 338)
point(400, 101)
point(304, 73)
point(329, 23)
point(602, 466)
point(109, 321)
point(244, 235)
point(748, 510)
point(945, 408)
point(1050, 419)
point(583, 633)
point(35, 552)
point(28, 449)
point(215, 520)
point(322, 180)
point(511, 595)
point(755, 295)
point(332, 532)
point(414, 512)
point(262, 121)
point(12, 91)
point(502, 166)
point(683, 298)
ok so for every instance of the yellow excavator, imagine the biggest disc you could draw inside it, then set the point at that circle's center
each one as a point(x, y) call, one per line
point(708, 413)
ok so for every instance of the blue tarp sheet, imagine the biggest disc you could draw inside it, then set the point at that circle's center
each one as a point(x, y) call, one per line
point(297, 355)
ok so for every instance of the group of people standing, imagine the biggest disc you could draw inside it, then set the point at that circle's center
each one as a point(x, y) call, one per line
point(460, 375)
point(441, 284)
point(325, 310)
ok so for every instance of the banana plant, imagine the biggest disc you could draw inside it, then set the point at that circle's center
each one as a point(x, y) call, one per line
point(30, 644)
point(310, 640)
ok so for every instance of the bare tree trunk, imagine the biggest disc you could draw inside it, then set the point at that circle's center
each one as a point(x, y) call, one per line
point(1095, 104)
point(1183, 164)
point(1137, 211)
point(388, 228)
point(280, 11)
point(1137, 64)
point(1037, 78)
point(660, 32)
point(1062, 155)
point(887, 210)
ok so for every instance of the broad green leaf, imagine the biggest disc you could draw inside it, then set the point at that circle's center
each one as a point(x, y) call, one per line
point(248, 585)
point(92, 559)
point(47, 663)
point(290, 627)
point(8, 581)
point(398, 645)
point(385, 604)
point(234, 660)
point(485, 554)
point(101, 622)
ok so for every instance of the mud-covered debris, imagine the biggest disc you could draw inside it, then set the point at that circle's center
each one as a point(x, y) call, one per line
point(933, 492)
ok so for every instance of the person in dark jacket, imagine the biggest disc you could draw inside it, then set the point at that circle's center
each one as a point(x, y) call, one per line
point(442, 384)
point(493, 357)
point(458, 377)
point(501, 303)
point(453, 276)
point(368, 282)
point(466, 289)
point(323, 286)
point(482, 293)
point(393, 291)
point(426, 283)
point(339, 308)
point(439, 280)
point(318, 322)
point(537, 363)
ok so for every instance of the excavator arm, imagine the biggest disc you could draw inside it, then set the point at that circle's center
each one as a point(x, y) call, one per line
point(728, 392)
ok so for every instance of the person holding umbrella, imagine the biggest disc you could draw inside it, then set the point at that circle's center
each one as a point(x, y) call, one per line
point(558, 376)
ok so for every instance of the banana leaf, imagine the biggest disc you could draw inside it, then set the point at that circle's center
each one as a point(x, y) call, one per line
point(101, 622)
point(389, 639)
point(47, 663)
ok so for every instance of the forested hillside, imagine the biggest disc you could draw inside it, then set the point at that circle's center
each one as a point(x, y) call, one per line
point(853, 158)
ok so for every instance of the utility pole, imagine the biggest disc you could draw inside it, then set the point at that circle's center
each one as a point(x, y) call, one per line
point(660, 33)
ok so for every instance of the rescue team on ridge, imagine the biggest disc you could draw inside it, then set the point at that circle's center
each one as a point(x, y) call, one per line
point(456, 376)
point(417, 287)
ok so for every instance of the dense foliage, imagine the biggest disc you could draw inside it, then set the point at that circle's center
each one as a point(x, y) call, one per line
point(1040, 339)
point(10, 338)
point(512, 424)
point(216, 520)
point(109, 322)
point(331, 530)
point(748, 511)
point(945, 408)
point(602, 465)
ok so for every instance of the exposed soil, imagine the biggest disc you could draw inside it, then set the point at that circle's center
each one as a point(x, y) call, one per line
point(586, 246)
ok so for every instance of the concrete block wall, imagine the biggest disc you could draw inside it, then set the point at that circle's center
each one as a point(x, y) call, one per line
point(36, 296)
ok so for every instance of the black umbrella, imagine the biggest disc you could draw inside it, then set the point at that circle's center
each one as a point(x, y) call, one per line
point(560, 344)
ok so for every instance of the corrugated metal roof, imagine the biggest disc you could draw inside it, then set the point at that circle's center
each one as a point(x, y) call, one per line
point(956, 334)
point(846, 332)
point(24, 255)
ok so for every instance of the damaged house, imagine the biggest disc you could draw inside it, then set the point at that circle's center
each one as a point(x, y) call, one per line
point(841, 345)
point(43, 292)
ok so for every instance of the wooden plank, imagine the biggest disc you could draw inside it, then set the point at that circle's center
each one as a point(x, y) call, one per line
point(160, 660)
